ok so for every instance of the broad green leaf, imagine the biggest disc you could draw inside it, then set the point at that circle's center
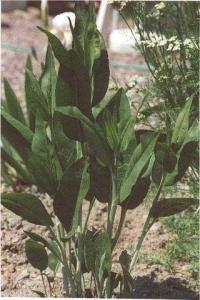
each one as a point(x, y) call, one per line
point(53, 262)
point(184, 159)
point(148, 171)
point(65, 95)
point(126, 135)
point(84, 187)
point(100, 182)
point(99, 108)
point(47, 243)
point(182, 123)
point(101, 75)
point(17, 134)
point(193, 133)
point(96, 142)
point(28, 207)
point(28, 96)
point(73, 86)
point(36, 255)
point(66, 198)
point(6, 177)
point(103, 248)
point(80, 22)
point(89, 250)
point(157, 172)
point(124, 108)
point(170, 160)
point(37, 100)
point(54, 258)
point(165, 156)
point(43, 161)
point(97, 245)
point(109, 126)
point(95, 54)
point(19, 168)
point(20, 127)
point(13, 105)
point(171, 206)
point(66, 148)
point(138, 193)
point(139, 160)
point(111, 103)
point(89, 44)
point(62, 55)
point(36, 237)
point(48, 80)
point(74, 74)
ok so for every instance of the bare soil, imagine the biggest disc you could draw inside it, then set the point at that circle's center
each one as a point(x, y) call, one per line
point(18, 277)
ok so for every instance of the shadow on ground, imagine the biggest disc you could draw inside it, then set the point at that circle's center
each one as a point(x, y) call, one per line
point(171, 288)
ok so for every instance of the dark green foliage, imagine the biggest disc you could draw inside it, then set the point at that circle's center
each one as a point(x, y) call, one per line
point(17, 134)
point(71, 192)
point(28, 207)
point(138, 193)
point(97, 253)
point(13, 106)
point(47, 243)
point(100, 182)
point(171, 206)
point(36, 255)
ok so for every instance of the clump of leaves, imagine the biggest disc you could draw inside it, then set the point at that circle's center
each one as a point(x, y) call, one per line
point(79, 143)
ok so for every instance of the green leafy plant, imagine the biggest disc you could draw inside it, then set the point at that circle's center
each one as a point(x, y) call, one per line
point(169, 43)
point(80, 144)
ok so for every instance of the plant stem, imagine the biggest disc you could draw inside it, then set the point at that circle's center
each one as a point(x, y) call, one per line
point(88, 215)
point(45, 290)
point(145, 229)
point(49, 284)
point(111, 215)
point(119, 229)
point(147, 225)
point(79, 256)
point(66, 270)
point(113, 204)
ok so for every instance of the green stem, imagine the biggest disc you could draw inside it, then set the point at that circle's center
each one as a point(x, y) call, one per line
point(111, 215)
point(113, 204)
point(119, 229)
point(66, 270)
point(79, 256)
point(49, 284)
point(45, 290)
point(147, 225)
point(88, 215)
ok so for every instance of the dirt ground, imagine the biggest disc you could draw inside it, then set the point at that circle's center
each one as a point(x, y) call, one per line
point(18, 277)
point(152, 281)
